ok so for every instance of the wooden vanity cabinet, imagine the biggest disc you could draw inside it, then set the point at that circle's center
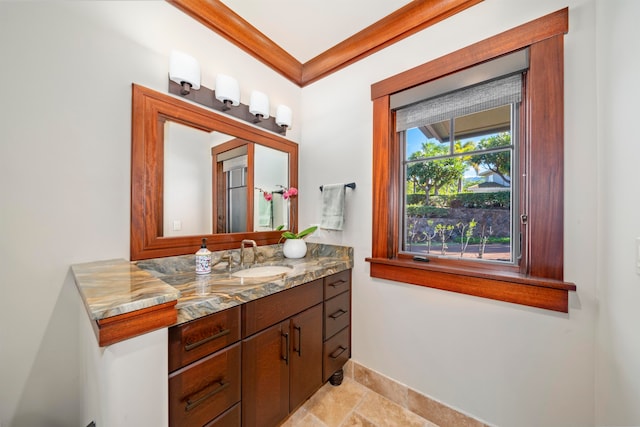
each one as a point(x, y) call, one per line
point(281, 361)
point(251, 365)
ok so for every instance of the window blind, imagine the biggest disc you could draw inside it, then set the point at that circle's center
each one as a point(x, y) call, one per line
point(469, 100)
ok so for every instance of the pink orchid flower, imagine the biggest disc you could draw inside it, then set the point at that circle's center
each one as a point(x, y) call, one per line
point(291, 192)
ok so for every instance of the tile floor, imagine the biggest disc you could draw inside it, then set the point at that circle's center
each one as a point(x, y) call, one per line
point(349, 405)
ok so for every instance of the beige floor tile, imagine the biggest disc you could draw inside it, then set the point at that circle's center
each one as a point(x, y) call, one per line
point(381, 411)
point(439, 413)
point(306, 419)
point(380, 384)
point(295, 419)
point(356, 420)
point(332, 405)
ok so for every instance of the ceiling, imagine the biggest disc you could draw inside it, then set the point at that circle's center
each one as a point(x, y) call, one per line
point(305, 29)
point(306, 41)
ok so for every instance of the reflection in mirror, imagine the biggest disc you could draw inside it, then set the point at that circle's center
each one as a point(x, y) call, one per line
point(179, 193)
point(187, 181)
point(189, 188)
point(271, 178)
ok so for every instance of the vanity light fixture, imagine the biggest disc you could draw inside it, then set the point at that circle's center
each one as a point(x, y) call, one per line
point(184, 80)
point(283, 117)
point(227, 91)
point(184, 70)
point(259, 106)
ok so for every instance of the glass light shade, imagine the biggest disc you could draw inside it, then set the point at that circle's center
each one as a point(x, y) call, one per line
point(184, 68)
point(227, 89)
point(259, 104)
point(283, 116)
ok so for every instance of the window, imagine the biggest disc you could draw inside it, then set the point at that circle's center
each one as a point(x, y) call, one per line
point(461, 187)
point(525, 131)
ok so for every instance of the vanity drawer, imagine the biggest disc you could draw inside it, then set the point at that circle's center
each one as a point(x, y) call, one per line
point(337, 314)
point(261, 313)
point(231, 418)
point(337, 283)
point(193, 340)
point(205, 389)
point(336, 353)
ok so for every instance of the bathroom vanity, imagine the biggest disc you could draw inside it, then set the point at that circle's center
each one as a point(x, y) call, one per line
point(242, 350)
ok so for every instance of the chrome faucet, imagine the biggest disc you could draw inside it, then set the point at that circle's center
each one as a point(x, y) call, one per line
point(249, 242)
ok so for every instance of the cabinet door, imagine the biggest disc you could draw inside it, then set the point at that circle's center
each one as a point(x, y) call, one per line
point(265, 376)
point(306, 355)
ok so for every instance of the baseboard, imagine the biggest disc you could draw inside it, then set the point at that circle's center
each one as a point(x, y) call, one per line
point(412, 400)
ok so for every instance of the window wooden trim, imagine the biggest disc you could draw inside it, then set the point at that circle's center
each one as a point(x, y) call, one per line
point(541, 283)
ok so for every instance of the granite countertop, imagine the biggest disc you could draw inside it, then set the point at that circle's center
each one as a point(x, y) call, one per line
point(114, 287)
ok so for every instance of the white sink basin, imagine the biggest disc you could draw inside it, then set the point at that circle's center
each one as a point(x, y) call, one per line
point(264, 271)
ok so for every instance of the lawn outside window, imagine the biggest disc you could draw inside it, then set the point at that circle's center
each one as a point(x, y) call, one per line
point(496, 143)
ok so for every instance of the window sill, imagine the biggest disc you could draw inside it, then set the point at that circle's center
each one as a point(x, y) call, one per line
point(538, 292)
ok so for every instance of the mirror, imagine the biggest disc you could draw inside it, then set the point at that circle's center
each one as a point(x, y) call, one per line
point(196, 173)
point(190, 187)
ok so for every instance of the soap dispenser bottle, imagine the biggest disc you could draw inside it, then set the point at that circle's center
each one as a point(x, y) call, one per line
point(203, 259)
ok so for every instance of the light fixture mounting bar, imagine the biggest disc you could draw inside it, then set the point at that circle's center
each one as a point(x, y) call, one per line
point(205, 96)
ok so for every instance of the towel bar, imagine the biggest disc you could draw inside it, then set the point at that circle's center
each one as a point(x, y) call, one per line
point(351, 185)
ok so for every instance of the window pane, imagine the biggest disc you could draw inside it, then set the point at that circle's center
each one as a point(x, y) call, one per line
point(476, 126)
point(428, 141)
point(459, 204)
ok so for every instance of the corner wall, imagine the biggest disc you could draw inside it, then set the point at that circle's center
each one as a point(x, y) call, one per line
point(502, 363)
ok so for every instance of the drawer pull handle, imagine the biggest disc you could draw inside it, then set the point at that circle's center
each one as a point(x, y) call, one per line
point(337, 352)
point(222, 333)
point(191, 405)
point(299, 349)
point(337, 314)
point(285, 355)
point(337, 283)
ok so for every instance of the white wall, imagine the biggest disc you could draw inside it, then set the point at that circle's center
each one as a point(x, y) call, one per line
point(618, 339)
point(187, 181)
point(506, 364)
point(64, 186)
point(65, 144)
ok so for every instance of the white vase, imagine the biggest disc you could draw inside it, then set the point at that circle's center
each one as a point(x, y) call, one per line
point(294, 248)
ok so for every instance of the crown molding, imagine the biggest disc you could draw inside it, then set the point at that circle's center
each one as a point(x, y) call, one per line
point(408, 20)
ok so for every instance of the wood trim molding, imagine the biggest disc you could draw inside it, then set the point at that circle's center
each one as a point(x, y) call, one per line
point(385, 168)
point(408, 20)
point(535, 293)
point(149, 111)
point(540, 282)
point(511, 40)
point(128, 325)
point(216, 16)
point(546, 127)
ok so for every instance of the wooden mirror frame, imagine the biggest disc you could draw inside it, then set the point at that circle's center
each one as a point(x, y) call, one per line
point(150, 109)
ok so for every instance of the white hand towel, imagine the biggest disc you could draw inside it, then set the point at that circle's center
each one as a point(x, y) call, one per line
point(264, 212)
point(332, 207)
